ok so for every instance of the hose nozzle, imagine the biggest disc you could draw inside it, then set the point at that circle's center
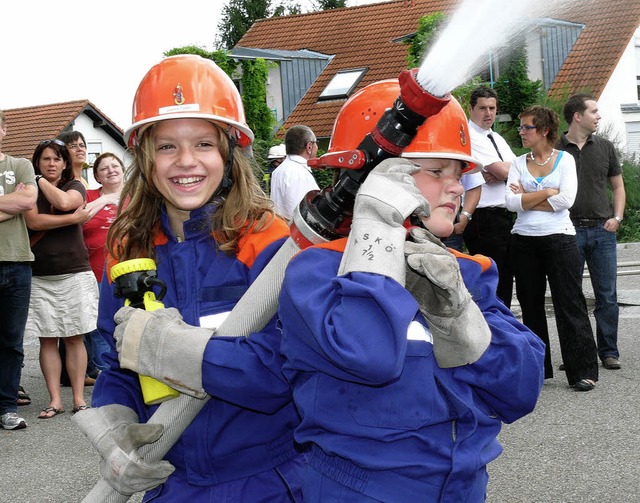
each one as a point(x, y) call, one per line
point(417, 98)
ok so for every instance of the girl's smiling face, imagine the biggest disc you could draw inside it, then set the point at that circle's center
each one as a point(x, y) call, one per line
point(439, 182)
point(188, 164)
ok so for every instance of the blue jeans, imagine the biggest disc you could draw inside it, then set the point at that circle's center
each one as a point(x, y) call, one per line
point(15, 290)
point(598, 248)
point(98, 346)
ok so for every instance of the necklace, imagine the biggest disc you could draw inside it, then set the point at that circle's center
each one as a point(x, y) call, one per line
point(533, 158)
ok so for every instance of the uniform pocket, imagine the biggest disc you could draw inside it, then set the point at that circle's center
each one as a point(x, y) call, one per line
point(408, 403)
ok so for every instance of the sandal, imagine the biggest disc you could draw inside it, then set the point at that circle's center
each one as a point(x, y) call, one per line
point(584, 385)
point(78, 408)
point(23, 398)
point(49, 410)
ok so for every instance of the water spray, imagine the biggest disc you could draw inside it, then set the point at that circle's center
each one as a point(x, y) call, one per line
point(476, 29)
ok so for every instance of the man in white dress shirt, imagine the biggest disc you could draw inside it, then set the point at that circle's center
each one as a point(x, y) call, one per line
point(291, 181)
point(488, 230)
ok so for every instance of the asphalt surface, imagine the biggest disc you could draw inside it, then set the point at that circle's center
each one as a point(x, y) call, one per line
point(575, 447)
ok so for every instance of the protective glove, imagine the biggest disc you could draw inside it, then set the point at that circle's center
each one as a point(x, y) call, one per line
point(160, 345)
point(116, 434)
point(460, 332)
point(385, 200)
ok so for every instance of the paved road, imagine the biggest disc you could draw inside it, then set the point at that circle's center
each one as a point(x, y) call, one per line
point(575, 447)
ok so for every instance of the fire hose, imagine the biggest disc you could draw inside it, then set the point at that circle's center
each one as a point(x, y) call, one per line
point(321, 216)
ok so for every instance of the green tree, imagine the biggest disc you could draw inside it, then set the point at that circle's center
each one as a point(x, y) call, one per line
point(629, 231)
point(237, 17)
point(220, 58)
point(254, 94)
point(329, 4)
point(515, 89)
point(425, 36)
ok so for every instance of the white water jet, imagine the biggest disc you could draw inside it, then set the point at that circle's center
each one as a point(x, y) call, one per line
point(476, 29)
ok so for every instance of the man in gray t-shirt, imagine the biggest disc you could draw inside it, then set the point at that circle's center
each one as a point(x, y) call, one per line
point(18, 193)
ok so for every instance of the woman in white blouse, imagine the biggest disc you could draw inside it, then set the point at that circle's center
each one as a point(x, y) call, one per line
point(541, 188)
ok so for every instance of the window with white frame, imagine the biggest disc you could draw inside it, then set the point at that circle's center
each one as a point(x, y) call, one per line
point(94, 149)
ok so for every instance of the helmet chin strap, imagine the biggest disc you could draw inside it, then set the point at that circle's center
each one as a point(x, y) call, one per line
point(227, 181)
point(416, 221)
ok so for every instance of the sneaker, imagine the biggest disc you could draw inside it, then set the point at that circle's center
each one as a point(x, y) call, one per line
point(611, 363)
point(12, 421)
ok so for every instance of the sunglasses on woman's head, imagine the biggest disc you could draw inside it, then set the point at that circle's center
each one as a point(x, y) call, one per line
point(49, 142)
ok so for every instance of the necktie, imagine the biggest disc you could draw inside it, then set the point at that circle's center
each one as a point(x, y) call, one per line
point(490, 136)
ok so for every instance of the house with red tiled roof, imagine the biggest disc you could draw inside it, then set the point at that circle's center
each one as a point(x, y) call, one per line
point(28, 126)
point(590, 45)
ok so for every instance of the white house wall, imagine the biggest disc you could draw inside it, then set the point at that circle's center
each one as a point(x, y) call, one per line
point(98, 142)
point(534, 56)
point(621, 90)
point(274, 93)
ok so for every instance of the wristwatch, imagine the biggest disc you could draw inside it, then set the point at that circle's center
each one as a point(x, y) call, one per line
point(38, 178)
point(466, 214)
point(618, 219)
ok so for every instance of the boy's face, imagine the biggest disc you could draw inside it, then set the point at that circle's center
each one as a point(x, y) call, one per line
point(439, 182)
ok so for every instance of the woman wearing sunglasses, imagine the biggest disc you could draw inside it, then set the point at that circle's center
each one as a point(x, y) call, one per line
point(541, 188)
point(64, 294)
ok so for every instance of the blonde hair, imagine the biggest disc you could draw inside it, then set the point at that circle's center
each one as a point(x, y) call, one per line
point(245, 207)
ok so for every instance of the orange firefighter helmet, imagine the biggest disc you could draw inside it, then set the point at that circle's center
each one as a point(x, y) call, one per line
point(188, 87)
point(443, 135)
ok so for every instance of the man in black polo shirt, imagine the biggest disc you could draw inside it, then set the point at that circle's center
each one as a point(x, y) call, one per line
point(594, 216)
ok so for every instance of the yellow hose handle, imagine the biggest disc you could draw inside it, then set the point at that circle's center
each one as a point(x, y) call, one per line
point(153, 391)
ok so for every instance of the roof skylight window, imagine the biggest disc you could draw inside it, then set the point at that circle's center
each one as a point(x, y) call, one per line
point(342, 84)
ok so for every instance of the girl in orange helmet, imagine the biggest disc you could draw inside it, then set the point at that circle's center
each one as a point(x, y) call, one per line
point(403, 361)
point(192, 203)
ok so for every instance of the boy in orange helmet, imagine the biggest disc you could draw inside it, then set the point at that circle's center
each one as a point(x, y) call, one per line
point(403, 362)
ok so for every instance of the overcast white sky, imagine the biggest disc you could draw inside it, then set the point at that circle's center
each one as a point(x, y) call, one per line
point(96, 50)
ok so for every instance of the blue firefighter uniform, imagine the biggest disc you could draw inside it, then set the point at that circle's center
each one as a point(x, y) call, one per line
point(380, 420)
point(240, 446)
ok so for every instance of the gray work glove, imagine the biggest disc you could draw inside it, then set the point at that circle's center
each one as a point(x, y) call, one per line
point(116, 434)
point(460, 332)
point(385, 200)
point(159, 344)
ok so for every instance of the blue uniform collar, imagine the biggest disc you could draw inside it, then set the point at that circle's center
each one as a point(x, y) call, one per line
point(199, 222)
